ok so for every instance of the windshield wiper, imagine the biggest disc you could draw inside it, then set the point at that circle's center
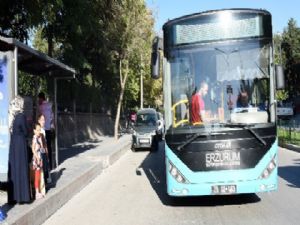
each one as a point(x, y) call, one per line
point(256, 135)
point(190, 140)
point(244, 126)
point(195, 136)
point(249, 128)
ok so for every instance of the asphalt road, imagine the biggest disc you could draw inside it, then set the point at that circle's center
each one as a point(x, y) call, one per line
point(132, 191)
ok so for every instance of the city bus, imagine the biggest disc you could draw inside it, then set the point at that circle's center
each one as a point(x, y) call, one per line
point(233, 148)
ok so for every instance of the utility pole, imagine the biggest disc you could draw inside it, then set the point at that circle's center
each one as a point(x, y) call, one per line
point(280, 50)
point(141, 84)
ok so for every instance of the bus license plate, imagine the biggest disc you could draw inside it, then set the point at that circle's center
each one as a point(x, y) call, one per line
point(224, 189)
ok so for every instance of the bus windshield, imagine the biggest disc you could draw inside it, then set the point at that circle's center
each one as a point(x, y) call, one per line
point(224, 82)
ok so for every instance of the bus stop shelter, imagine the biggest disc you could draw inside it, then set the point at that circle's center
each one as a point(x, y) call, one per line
point(16, 56)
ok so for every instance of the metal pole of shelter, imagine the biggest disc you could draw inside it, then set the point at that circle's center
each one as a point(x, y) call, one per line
point(56, 113)
point(55, 122)
point(16, 70)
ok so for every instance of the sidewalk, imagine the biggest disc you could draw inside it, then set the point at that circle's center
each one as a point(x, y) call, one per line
point(79, 165)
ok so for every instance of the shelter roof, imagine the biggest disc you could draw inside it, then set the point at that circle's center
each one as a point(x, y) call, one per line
point(34, 62)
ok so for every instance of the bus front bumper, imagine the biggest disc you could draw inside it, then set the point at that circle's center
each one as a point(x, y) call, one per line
point(231, 188)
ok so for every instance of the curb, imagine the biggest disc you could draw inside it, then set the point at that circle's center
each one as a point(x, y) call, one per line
point(39, 211)
point(291, 147)
point(112, 158)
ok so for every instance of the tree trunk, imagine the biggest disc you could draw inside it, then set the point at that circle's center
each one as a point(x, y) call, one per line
point(122, 82)
point(50, 40)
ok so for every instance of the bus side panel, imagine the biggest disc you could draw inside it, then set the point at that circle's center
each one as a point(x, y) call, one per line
point(201, 183)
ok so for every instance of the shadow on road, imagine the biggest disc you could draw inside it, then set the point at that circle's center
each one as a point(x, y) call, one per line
point(291, 174)
point(154, 168)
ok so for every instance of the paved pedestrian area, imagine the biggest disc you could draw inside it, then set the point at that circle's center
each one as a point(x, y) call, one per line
point(79, 165)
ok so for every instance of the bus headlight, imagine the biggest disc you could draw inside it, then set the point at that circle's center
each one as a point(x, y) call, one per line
point(175, 173)
point(180, 179)
point(269, 169)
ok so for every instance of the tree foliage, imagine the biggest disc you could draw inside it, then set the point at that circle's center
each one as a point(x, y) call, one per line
point(18, 18)
point(131, 31)
point(281, 95)
point(107, 41)
point(290, 46)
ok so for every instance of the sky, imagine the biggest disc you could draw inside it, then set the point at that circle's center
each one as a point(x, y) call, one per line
point(281, 10)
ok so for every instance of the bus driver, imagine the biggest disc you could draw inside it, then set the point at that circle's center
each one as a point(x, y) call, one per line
point(197, 104)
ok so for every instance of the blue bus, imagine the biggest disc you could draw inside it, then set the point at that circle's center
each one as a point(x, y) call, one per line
point(219, 83)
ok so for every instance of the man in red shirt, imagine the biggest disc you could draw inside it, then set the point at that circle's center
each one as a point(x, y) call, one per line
point(197, 104)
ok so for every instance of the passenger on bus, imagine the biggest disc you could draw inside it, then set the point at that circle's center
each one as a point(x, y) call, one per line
point(197, 104)
point(243, 100)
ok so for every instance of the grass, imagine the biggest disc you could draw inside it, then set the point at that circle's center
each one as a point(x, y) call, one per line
point(288, 136)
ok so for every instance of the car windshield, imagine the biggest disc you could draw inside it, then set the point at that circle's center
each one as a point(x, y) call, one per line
point(146, 119)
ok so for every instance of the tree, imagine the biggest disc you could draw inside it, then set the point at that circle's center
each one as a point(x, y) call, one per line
point(291, 57)
point(108, 42)
point(277, 40)
point(18, 18)
point(130, 32)
point(281, 95)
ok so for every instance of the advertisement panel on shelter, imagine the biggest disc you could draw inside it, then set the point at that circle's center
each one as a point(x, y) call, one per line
point(4, 104)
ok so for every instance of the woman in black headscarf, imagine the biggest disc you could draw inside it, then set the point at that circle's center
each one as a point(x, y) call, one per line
point(18, 168)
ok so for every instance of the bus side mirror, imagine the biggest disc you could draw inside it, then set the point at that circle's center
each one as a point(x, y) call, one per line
point(155, 64)
point(155, 57)
point(158, 123)
point(280, 81)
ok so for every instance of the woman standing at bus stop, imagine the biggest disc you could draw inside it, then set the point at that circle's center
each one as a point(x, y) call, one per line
point(18, 168)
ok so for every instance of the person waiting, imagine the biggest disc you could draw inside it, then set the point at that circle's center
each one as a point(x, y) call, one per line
point(45, 108)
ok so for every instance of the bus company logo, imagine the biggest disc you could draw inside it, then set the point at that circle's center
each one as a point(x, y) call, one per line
point(223, 145)
point(226, 158)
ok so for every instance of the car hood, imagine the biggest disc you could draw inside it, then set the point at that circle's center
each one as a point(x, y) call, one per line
point(144, 129)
